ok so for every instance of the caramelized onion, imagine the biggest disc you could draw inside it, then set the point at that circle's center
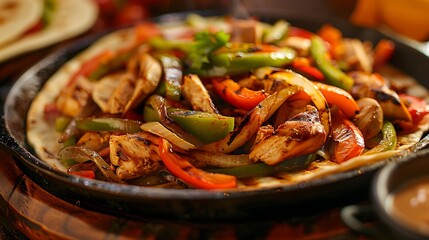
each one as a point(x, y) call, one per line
point(159, 130)
point(80, 154)
point(159, 105)
point(219, 159)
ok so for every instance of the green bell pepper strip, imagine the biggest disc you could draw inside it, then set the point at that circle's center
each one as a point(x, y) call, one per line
point(196, 123)
point(334, 76)
point(61, 123)
point(71, 141)
point(276, 32)
point(48, 12)
point(163, 44)
point(160, 90)
point(172, 76)
point(262, 169)
point(108, 124)
point(389, 140)
point(230, 63)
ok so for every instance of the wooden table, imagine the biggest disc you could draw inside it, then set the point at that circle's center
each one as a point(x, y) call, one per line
point(28, 211)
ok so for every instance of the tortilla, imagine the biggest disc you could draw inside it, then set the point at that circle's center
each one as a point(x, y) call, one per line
point(43, 138)
point(41, 134)
point(17, 16)
point(69, 19)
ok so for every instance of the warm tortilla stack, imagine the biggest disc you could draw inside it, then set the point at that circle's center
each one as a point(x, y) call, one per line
point(26, 25)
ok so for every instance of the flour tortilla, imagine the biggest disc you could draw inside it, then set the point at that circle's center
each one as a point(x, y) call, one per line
point(70, 18)
point(17, 16)
point(43, 137)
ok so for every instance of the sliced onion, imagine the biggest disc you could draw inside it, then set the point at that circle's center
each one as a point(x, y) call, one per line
point(161, 131)
point(307, 86)
point(261, 113)
point(71, 129)
point(80, 154)
point(219, 159)
point(159, 105)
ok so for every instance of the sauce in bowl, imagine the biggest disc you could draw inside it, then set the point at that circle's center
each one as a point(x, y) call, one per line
point(410, 204)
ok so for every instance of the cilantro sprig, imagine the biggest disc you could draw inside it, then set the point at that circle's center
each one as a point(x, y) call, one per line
point(205, 44)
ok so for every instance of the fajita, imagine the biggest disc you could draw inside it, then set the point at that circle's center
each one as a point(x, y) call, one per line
point(220, 103)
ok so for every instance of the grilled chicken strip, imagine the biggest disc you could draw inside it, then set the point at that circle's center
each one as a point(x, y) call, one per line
point(245, 31)
point(302, 134)
point(251, 123)
point(134, 155)
point(72, 98)
point(370, 119)
point(372, 86)
point(94, 140)
point(195, 93)
point(358, 54)
point(147, 71)
point(104, 89)
point(121, 94)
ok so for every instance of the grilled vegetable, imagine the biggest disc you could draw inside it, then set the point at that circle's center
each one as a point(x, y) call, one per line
point(172, 76)
point(190, 174)
point(193, 121)
point(108, 124)
point(333, 75)
point(236, 95)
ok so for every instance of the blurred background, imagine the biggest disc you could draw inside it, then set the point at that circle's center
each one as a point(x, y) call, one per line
point(409, 18)
point(404, 18)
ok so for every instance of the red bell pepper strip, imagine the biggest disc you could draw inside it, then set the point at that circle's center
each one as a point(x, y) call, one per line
point(348, 139)
point(84, 173)
point(91, 65)
point(190, 174)
point(105, 152)
point(299, 32)
point(131, 12)
point(383, 51)
point(133, 116)
point(416, 106)
point(146, 31)
point(236, 95)
point(334, 96)
point(302, 65)
point(334, 38)
point(104, 61)
point(37, 27)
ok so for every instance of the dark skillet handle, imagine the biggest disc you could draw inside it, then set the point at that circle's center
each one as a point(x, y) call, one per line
point(363, 220)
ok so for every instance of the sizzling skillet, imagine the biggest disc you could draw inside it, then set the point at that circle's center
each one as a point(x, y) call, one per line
point(190, 203)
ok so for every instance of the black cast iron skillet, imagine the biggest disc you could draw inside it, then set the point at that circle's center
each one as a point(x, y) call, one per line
point(189, 204)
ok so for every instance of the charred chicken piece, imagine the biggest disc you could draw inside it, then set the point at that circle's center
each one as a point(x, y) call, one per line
point(94, 140)
point(147, 71)
point(302, 134)
point(134, 155)
point(195, 93)
point(373, 86)
point(73, 98)
point(369, 120)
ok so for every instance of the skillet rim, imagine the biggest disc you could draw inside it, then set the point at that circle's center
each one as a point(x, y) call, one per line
point(11, 141)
